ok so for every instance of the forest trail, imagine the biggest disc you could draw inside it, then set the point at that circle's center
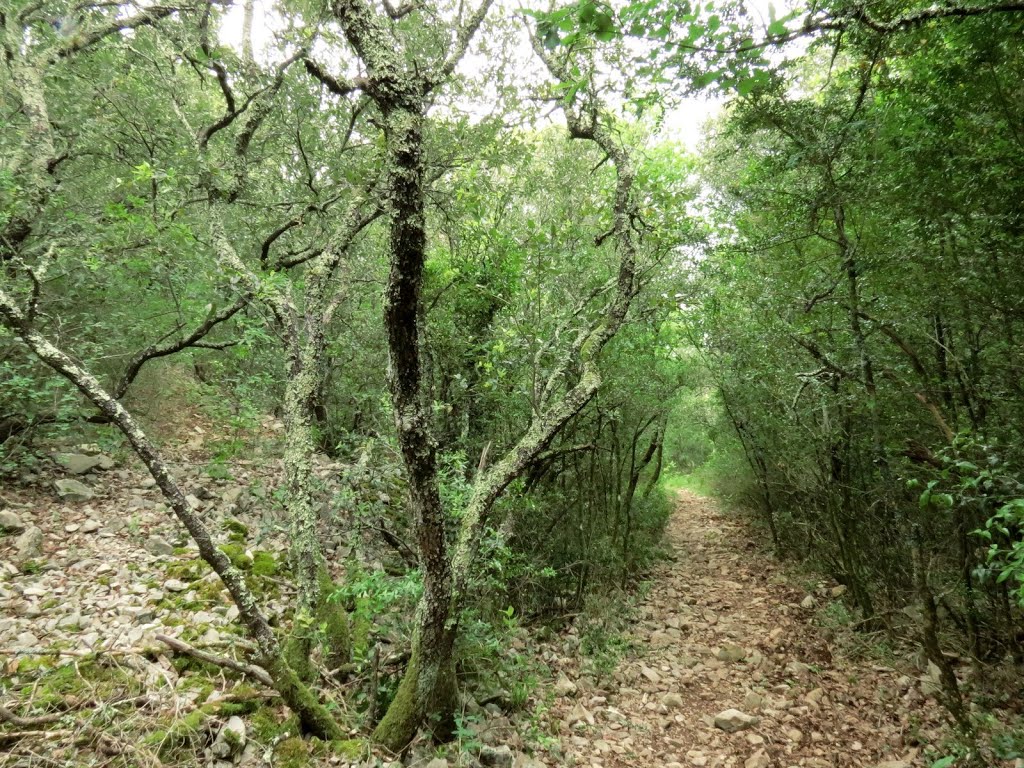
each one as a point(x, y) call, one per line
point(720, 629)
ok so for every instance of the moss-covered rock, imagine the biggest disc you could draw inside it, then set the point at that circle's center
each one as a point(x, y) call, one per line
point(237, 555)
point(351, 749)
point(236, 529)
point(264, 564)
point(291, 753)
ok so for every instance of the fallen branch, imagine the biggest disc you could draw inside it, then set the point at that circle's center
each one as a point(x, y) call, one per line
point(8, 736)
point(249, 670)
point(8, 716)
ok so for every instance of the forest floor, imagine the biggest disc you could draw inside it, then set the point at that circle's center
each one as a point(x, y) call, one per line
point(718, 625)
point(723, 627)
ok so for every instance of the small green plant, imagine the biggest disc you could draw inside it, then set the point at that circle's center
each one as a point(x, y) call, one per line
point(465, 735)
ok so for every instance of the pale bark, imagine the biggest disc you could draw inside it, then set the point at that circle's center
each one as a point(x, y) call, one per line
point(399, 92)
point(313, 715)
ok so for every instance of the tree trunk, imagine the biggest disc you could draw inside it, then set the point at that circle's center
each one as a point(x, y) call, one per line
point(313, 715)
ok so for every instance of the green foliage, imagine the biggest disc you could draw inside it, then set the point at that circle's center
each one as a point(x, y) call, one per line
point(1007, 557)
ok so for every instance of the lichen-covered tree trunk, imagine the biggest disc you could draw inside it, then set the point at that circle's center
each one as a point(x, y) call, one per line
point(295, 694)
point(316, 615)
point(428, 687)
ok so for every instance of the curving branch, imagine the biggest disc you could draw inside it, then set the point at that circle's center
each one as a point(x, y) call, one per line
point(194, 339)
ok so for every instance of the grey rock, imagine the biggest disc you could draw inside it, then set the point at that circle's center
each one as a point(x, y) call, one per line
point(91, 526)
point(731, 653)
point(564, 686)
point(10, 523)
point(672, 700)
point(175, 585)
point(80, 463)
point(650, 674)
point(158, 545)
point(732, 720)
point(29, 545)
point(25, 640)
point(204, 493)
point(73, 490)
point(231, 740)
point(496, 757)
point(437, 762)
point(799, 670)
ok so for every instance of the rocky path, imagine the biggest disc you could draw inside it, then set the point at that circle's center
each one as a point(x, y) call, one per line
point(731, 671)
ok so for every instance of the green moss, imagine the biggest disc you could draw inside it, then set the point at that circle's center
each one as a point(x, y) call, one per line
point(400, 722)
point(337, 632)
point(266, 725)
point(186, 570)
point(89, 677)
point(237, 530)
point(186, 734)
point(352, 749)
point(297, 650)
point(264, 564)
point(361, 628)
point(291, 753)
point(410, 708)
point(315, 717)
point(237, 555)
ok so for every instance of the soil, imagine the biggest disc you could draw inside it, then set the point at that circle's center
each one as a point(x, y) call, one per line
point(721, 628)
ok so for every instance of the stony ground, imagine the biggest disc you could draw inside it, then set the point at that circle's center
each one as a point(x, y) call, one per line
point(732, 671)
point(729, 666)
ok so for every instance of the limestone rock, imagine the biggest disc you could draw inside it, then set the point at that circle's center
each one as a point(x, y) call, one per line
point(496, 757)
point(231, 739)
point(732, 720)
point(650, 674)
point(731, 653)
point(73, 490)
point(759, 759)
point(564, 686)
point(580, 714)
point(29, 545)
point(753, 701)
point(10, 523)
point(80, 463)
point(157, 545)
point(672, 700)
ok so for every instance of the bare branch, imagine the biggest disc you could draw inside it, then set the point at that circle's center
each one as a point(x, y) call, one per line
point(465, 34)
point(401, 11)
point(330, 82)
point(145, 18)
point(249, 670)
point(155, 351)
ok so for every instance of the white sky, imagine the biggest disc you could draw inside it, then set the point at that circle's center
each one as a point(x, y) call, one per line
point(685, 123)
